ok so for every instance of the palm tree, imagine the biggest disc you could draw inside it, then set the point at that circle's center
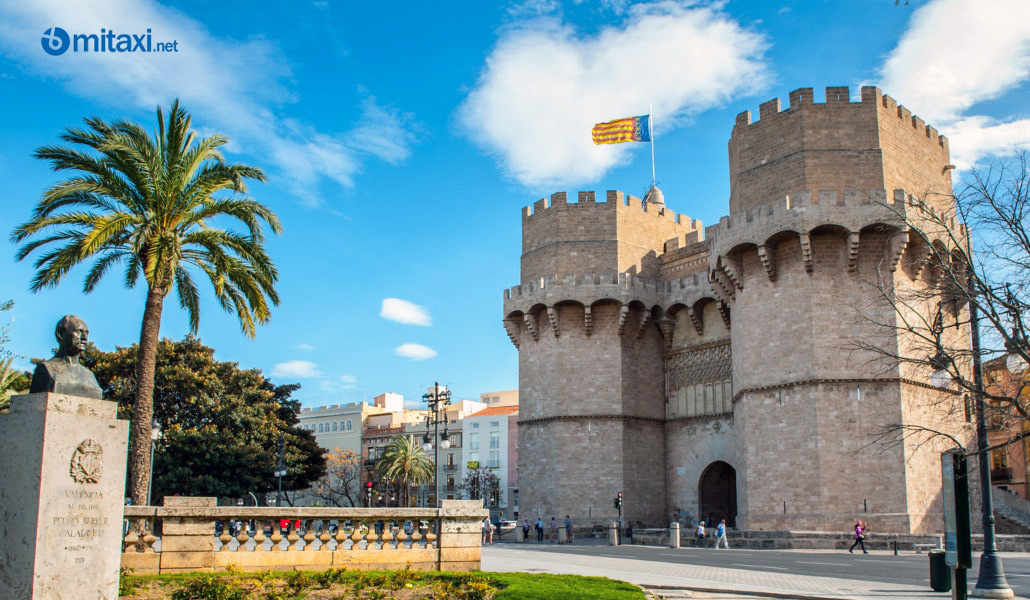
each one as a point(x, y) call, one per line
point(405, 463)
point(151, 203)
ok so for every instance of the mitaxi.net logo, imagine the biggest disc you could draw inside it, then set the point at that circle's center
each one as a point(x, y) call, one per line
point(56, 42)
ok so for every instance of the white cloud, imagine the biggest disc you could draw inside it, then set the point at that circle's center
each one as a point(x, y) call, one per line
point(954, 55)
point(305, 347)
point(338, 383)
point(296, 368)
point(544, 86)
point(405, 312)
point(415, 351)
point(230, 86)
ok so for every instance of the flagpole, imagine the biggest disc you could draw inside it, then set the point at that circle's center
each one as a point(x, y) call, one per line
point(650, 134)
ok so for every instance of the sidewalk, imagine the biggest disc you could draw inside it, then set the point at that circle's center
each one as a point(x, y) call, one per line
point(666, 578)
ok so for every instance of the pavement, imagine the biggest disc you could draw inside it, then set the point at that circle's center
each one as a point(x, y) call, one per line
point(673, 580)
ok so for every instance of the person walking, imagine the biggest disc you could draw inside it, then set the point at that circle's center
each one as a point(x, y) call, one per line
point(488, 537)
point(525, 529)
point(539, 530)
point(568, 530)
point(860, 528)
point(701, 535)
point(554, 531)
point(720, 535)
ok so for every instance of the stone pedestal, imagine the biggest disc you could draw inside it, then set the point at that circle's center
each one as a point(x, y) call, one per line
point(62, 486)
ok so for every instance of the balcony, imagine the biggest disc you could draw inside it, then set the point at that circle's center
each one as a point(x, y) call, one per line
point(450, 467)
point(1001, 475)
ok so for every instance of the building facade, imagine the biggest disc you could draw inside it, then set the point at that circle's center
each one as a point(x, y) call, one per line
point(714, 371)
point(492, 444)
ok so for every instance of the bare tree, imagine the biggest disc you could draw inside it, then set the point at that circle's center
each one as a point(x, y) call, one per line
point(482, 484)
point(339, 486)
point(967, 254)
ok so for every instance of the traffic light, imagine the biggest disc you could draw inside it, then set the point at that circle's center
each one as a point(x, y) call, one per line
point(618, 501)
point(368, 493)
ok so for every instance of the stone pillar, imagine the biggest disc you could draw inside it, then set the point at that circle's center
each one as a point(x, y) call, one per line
point(188, 541)
point(674, 535)
point(562, 536)
point(520, 536)
point(461, 534)
point(61, 497)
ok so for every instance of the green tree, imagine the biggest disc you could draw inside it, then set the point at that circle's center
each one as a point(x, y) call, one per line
point(405, 463)
point(219, 423)
point(12, 381)
point(150, 203)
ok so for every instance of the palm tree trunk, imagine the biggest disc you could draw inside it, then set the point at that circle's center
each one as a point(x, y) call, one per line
point(143, 407)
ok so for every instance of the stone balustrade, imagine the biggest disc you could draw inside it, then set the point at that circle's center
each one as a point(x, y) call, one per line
point(190, 534)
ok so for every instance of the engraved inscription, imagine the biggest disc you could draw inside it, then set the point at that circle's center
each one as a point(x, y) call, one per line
point(87, 463)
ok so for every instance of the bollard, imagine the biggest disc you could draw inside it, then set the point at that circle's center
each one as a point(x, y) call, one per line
point(613, 534)
point(520, 536)
point(562, 537)
point(674, 535)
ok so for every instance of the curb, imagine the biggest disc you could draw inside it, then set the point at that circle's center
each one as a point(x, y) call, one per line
point(707, 590)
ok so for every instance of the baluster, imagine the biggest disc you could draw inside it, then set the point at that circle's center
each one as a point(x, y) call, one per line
point(355, 537)
point(324, 537)
point(371, 536)
point(277, 536)
point(416, 534)
point(243, 537)
point(387, 535)
point(309, 535)
point(341, 535)
point(291, 540)
point(401, 537)
point(226, 536)
point(130, 542)
point(430, 536)
point(259, 536)
point(148, 537)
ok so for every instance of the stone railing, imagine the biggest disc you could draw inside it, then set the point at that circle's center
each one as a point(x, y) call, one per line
point(192, 534)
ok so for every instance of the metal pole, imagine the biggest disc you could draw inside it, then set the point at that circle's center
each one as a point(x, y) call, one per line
point(436, 444)
point(280, 464)
point(990, 582)
point(150, 486)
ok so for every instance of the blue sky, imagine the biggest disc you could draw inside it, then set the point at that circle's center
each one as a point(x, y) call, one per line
point(401, 141)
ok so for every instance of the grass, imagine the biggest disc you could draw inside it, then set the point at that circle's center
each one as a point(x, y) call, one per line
point(373, 585)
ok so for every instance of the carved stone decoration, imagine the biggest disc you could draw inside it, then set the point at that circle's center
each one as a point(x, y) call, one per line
point(724, 312)
point(587, 324)
point(530, 326)
point(705, 365)
point(853, 241)
point(87, 464)
point(645, 318)
point(697, 318)
point(806, 251)
point(767, 256)
point(898, 243)
point(667, 326)
point(552, 315)
point(623, 313)
point(512, 329)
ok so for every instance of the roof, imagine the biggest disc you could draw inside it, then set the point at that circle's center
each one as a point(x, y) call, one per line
point(495, 411)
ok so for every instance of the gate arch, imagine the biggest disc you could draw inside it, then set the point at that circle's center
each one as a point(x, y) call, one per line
point(717, 494)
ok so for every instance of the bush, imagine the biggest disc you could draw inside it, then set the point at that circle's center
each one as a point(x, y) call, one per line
point(209, 588)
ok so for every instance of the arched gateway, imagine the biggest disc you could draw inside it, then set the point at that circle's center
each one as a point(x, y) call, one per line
point(717, 494)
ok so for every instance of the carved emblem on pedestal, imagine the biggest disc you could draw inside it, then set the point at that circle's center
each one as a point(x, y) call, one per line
point(87, 463)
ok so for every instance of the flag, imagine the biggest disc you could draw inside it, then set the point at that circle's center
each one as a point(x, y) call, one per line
point(630, 129)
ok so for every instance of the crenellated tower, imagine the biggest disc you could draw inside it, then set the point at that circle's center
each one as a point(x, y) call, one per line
point(717, 373)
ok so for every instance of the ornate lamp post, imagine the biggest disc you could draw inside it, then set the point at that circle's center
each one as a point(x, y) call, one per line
point(280, 468)
point(155, 435)
point(991, 581)
point(436, 398)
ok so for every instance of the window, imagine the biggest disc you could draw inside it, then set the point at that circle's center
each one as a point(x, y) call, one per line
point(348, 424)
point(495, 439)
point(475, 425)
point(474, 441)
point(319, 428)
point(334, 425)
point(495, 459)
point(495, 423)
point(473, 457)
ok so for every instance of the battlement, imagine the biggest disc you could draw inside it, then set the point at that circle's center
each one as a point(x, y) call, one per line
point(613, 200)
point(837, 97)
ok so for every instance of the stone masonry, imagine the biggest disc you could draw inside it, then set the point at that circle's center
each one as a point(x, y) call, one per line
point(709, 371)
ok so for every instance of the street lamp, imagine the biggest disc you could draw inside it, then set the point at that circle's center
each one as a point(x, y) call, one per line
point(990, 582)
point(280, 468)
point(436, 398)
point(155, 434)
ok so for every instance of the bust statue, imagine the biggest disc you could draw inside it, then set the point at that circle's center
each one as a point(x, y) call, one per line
point(63, 374)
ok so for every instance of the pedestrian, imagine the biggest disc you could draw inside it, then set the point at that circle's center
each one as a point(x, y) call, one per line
point(568, 530)
point(488, 537)
point(525, 530)
point(860, 528)
point(539, 530)
point(554, 530)
point(720, 533)
point(701, 535)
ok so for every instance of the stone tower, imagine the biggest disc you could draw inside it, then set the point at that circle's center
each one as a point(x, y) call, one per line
point(718, 377)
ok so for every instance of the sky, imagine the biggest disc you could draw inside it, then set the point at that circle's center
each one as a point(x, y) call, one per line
point(401, 141)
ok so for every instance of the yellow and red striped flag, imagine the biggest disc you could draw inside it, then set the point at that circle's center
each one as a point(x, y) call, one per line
point(630, 129)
